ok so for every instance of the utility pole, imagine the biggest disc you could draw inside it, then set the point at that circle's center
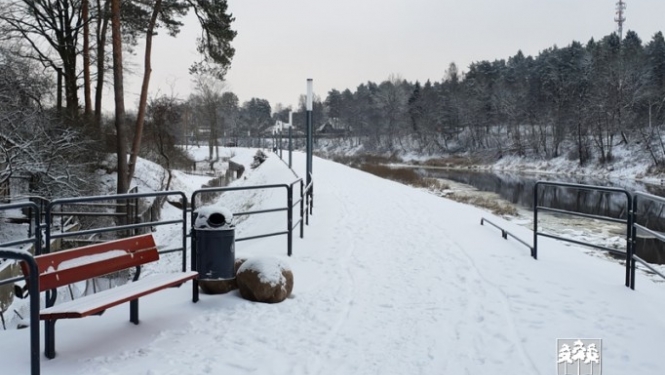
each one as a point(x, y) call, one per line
point(308, 130)
point(620, 17)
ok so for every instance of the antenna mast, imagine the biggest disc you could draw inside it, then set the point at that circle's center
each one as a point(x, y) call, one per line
point(620, 18)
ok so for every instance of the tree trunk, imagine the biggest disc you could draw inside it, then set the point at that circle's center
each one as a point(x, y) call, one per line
point(58, 99)
point(67, 51)
point(143, 101)
point(102, 27)
point(86, 58)
point(121, 133)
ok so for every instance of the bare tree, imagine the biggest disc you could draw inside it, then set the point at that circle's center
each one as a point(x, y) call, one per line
point(51, 30)
point(209, 99)
point(34, 143)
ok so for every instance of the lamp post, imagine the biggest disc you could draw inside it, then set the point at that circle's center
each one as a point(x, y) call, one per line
point(308, 176)
point(290, 137)
point(280, 141)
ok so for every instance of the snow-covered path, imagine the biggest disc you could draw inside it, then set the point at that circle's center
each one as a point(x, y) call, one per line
point(388, 280)
point(408, 299)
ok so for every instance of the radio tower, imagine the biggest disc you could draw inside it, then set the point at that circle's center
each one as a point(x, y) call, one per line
point(620, 18)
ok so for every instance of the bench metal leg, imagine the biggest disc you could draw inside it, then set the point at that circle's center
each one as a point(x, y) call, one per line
point(49, 338)
point(134, 311)
point(195, 290)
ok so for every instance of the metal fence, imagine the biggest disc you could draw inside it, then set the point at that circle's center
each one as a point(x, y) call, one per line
point(123, 209)
point(633, 258)
point(118, 208)
point(288, 208)
point(629, 220)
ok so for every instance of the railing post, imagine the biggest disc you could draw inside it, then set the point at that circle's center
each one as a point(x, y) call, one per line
point(534, 251)
point(629, 237)
point(307, 187)
point(289, 219)
point(47, 233)
point(311, 196)
point(38, 231)
point(633, 237)
point(32, 279)
point(302, 205)
point(135, 214)
point(184, 231)
point(34, 316)
point(192, 250)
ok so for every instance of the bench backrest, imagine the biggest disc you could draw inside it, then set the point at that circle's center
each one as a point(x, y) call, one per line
point(82, 263)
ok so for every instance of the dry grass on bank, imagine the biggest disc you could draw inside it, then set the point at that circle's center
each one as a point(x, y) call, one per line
point(497, 207)
point(408, 176)
point(451, 162)
point(375, 165)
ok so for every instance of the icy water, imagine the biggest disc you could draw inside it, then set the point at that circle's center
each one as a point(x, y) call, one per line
point(519, 190)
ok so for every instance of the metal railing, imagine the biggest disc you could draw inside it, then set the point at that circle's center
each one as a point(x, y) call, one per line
point(122, 225)
point(46, 230)
point(300, 202)
point(289, 218)
point(632, 258)
point(288, 208)
point(628, 221)
point(505, 233)
point(33, 238)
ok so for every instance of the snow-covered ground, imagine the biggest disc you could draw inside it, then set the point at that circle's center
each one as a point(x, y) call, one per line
point(388, 280)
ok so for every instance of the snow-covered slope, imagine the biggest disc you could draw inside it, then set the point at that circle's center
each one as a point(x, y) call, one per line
point(388, 280)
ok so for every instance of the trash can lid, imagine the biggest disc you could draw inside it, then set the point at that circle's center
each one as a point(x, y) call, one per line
point(210, 217)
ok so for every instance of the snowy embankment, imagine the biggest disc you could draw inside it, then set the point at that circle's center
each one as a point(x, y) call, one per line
point(388, 280)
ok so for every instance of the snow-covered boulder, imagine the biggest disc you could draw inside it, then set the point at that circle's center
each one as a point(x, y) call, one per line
point(259, 158)
point(265, 279)
point(221, 286)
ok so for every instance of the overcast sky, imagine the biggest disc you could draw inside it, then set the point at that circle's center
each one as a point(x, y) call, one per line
point(342, 43)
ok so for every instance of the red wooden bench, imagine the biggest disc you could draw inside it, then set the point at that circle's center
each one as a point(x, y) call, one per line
point(83, 263)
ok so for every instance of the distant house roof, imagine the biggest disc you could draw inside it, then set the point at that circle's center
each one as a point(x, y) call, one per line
point(333, 125)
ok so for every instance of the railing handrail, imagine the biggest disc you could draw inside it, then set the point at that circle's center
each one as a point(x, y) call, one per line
point(33, 288)
point(127, 197)
point(505, 233)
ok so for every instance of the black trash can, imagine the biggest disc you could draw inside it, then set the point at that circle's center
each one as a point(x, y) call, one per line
point(215, 244)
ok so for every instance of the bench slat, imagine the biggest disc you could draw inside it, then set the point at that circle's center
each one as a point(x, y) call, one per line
point(97, 302)
point(73, 265)
point(80, 270)
point(129, 244)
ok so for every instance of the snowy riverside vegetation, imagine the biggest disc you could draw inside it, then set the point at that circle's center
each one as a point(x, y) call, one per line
point(579, 102)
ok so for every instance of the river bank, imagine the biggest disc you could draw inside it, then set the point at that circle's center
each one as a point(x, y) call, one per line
point(506, 189)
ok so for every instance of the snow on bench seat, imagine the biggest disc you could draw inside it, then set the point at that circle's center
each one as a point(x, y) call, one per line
point(94, 303)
